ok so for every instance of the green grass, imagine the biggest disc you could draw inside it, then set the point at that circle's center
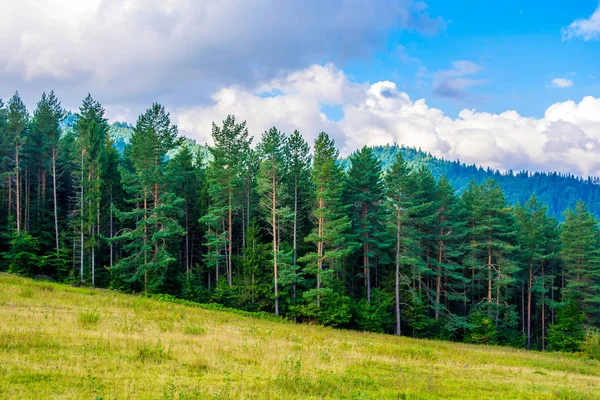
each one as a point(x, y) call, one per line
point(58, 341)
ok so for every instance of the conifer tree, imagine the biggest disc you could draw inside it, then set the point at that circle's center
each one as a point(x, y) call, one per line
point(16, 132)
point(366, 194)
point(537, 234)
point(271, 180)
point(297, 153)
point(448, 234)
point(231, 143)
point(46, 127)
point(398, 201)
point(156, 210)
point(331, 222)
point(493, 235)
point(581, 254)
point(92, 131)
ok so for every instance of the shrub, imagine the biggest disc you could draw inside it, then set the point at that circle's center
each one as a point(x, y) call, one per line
point(567, 333)
point(376, 316)
point(483, 329)
point(591, 344)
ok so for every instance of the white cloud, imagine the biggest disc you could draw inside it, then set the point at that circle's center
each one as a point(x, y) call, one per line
point(562, 83)
point(176, 52)
point(587, 29)
point(453, 83)
point(566, 139)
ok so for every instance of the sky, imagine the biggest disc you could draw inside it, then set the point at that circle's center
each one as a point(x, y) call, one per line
point(510, 85)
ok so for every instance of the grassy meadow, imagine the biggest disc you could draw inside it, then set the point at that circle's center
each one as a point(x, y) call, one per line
point(58, 341)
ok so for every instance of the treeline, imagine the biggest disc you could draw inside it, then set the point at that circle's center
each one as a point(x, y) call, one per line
point(558, 191)
point(284, 229)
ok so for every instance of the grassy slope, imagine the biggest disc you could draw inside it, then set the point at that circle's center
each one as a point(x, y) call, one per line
point(52, 346)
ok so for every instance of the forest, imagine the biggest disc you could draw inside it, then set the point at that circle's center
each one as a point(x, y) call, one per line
point(374, 242)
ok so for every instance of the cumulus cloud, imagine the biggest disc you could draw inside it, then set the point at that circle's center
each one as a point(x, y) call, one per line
point(453, 83)
point(562, 83)
point(566, 139)
point(180, 51)
point(585, 28)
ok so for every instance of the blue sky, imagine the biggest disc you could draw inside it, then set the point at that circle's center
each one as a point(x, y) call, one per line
point(518, 45)
point(437, 75)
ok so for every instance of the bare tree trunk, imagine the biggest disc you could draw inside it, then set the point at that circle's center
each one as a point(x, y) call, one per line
point(82, 216)
point(230, 244)
point(18, 190)
point(320, 249)
point(489, 296)
point(398, 316)
point(295, 233)
point(187, 241)
point(274, 223)
point(438, 282)
point(543, 312)
point(55, 200)
point(110, 246)
point(529, 307)
point(145, 240)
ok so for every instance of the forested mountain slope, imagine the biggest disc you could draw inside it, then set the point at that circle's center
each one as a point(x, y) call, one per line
point(558, 191)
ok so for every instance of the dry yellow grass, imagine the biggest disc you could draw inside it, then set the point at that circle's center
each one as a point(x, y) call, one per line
point(58, 341)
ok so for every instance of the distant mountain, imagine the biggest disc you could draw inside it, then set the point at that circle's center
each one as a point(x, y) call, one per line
point(558, 191)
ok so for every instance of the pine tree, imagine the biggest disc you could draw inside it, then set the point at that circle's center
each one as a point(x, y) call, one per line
point(331, 223)
point(46, 127)
point(537, 236)
point(297, 154)
point(156, 210)
point(398, 201)
point(581, 254)
point(16, 132)
point(231, 143)
point(366, 194)
point(271, 180)
point(449, 229)
point(493, 235)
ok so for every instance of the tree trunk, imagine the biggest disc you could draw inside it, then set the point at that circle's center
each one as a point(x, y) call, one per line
point(274, 223)
point(18, 190)
point(187, 242)
point(230, 244)
point(320, 249)
point(529, 307)
point(438, 282)
point(82, 216)
point(398, 316)
point(543, 312)
point(295, 233)
point(55, 200)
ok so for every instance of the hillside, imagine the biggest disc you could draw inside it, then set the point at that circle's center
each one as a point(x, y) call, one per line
point(57, 341)
point(558, 191)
